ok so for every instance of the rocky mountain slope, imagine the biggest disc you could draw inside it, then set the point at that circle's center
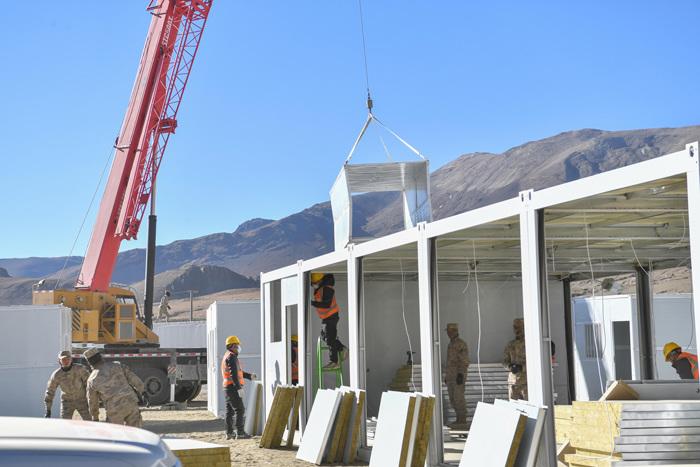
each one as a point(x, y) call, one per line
point(470, 181)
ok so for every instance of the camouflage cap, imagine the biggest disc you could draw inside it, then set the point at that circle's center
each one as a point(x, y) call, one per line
point(518, 322)
point(452, 326)
point(65, 353)
point(89, 353)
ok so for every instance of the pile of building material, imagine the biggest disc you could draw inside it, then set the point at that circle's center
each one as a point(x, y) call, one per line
point(332, 432)
point(403, 430)
point(659, 433)
point(284, 413)
point(193, 453)
point(591, 430)
point(493, 376)
point(31, 336)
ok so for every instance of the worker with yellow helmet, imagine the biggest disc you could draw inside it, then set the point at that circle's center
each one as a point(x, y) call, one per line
point(685, 363)
point(234, 379)
point(327, 309)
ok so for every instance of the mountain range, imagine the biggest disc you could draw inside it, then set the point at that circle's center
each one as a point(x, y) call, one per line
point(470, 181)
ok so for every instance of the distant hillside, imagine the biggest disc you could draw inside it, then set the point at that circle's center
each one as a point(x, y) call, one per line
point(204, 280)
point(470, 181)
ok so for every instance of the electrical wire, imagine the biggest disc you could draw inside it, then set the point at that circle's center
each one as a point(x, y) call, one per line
point(478, 312)
point(403, 313)
point(82, 224)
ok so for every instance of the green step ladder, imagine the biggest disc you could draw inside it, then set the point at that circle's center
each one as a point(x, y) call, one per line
point(321, 371)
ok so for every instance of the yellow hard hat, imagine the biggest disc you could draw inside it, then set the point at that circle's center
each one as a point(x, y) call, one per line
point(232, 340)
point(316, 277)
point(295, 338)
point(670, 347)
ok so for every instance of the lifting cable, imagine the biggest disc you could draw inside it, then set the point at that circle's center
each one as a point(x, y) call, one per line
point(87, 211)
point(370, 104)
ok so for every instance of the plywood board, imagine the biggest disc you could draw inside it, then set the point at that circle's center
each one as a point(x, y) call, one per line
point(619, 391)
point(395, 417)
point(193, 453)
point(318, 427)
point(340, 428)
point(294, 416)
point(410, 434)
point(425, 419)
point(355, 423)
point(277, 418)
point(527, 453)
point(494, 437)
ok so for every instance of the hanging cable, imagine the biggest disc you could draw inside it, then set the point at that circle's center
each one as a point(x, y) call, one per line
point(364, 54)
point(82, 224)
point(403, 313)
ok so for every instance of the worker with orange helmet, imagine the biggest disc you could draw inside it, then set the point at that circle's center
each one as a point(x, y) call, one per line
point(327, 309)
point(234, 379)
point(685, 363)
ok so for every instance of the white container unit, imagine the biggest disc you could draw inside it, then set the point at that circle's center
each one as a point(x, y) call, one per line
point(31, 336)
point(182, 334)
point(226, 318)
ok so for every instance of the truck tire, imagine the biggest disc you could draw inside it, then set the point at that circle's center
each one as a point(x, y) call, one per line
point(185, 391)
point(157, 384)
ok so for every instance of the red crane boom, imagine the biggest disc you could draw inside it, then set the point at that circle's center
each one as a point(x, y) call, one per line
point(151, 117)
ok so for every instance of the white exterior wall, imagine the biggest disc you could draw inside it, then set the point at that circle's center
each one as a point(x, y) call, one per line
point(30, 339)
point(225, 319)
point(182, 334)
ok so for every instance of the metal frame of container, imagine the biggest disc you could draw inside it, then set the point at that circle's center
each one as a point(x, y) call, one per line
point(529, 207)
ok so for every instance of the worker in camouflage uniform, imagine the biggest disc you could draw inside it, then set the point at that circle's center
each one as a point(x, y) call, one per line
point(117, 387)
point(456, 375)
point(72, 379)
point(514, 361)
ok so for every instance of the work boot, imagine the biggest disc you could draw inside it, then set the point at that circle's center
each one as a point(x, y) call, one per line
point(458, 425)
point(331, 366)
point(242, 435)
point(342, 355)
point(230, 436)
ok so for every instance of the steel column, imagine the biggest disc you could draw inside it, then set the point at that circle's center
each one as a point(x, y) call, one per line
point(429, 338)
point(569, 339)
point(537, 341)
point(646, 345)
point(693, 182)
point(150, 271)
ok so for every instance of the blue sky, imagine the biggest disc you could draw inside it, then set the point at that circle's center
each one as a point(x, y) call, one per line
point(276, 97)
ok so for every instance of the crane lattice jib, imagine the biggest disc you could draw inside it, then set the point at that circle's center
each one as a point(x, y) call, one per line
point(151, 117)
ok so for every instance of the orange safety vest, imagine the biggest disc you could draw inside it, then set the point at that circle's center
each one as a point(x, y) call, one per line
point(295, 363)
point(693, 360)
point(226, 371)
point(324, 313)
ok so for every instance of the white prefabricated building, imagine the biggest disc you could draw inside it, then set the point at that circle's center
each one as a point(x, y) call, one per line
point(481, 269)
point(610, 322)
point(182, 334)
point(227, 318)
point(31, 337)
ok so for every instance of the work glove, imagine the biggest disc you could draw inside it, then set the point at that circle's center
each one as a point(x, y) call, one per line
point(48, 413)
point(241, 393)
point(253, 376)
point(460, 378)
point(515, 368)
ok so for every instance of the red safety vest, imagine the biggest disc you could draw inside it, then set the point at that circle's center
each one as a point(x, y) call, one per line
point(693, 360)
point(226, 371)
point(324, 313)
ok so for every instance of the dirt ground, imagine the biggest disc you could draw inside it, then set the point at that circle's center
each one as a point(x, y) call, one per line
point(197, 423)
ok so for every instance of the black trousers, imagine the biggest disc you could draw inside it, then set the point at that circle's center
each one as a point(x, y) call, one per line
point(329, 333)
point(234, 403)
